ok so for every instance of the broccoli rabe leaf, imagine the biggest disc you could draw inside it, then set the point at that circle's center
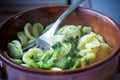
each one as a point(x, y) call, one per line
point(32, 57)
point(63, 63)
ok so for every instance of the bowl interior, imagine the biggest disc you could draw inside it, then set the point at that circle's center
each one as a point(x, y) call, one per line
point(100, 23)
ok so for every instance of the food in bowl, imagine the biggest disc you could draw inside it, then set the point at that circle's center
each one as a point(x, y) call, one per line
point(100, 24)
point(72, 47)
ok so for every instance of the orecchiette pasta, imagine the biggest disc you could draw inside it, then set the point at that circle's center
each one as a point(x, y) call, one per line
point(72, 47)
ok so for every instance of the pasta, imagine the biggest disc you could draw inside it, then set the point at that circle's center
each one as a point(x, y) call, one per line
point(72, 47)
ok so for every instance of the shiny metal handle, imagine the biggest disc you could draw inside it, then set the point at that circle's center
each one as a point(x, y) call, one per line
point(59, 20)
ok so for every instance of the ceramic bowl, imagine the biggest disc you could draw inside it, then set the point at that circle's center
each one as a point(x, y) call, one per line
point(105, 69)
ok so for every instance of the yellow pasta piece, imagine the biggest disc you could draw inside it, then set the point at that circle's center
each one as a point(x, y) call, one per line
point(103, 52)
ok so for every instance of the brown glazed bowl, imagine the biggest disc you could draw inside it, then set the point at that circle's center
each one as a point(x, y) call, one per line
point(103, 70)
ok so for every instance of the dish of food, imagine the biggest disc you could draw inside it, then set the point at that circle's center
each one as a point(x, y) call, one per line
point(73, 46)
point(100, 24)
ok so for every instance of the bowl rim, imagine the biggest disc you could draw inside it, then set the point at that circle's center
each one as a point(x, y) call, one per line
point(98, 64)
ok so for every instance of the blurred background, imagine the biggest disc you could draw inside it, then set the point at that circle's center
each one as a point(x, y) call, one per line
point(11, 7)
point(108, 7)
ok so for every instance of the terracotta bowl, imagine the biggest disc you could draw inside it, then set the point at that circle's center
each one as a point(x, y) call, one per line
point(105, 69)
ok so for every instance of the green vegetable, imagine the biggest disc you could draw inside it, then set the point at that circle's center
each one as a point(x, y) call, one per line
point(63, 63)
point(63, 50)
point(72, 47)
point(77, 63)
point(48, 62)
point(32, 57)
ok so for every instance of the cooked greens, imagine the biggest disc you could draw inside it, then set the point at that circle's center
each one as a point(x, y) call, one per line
point(72, 47)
